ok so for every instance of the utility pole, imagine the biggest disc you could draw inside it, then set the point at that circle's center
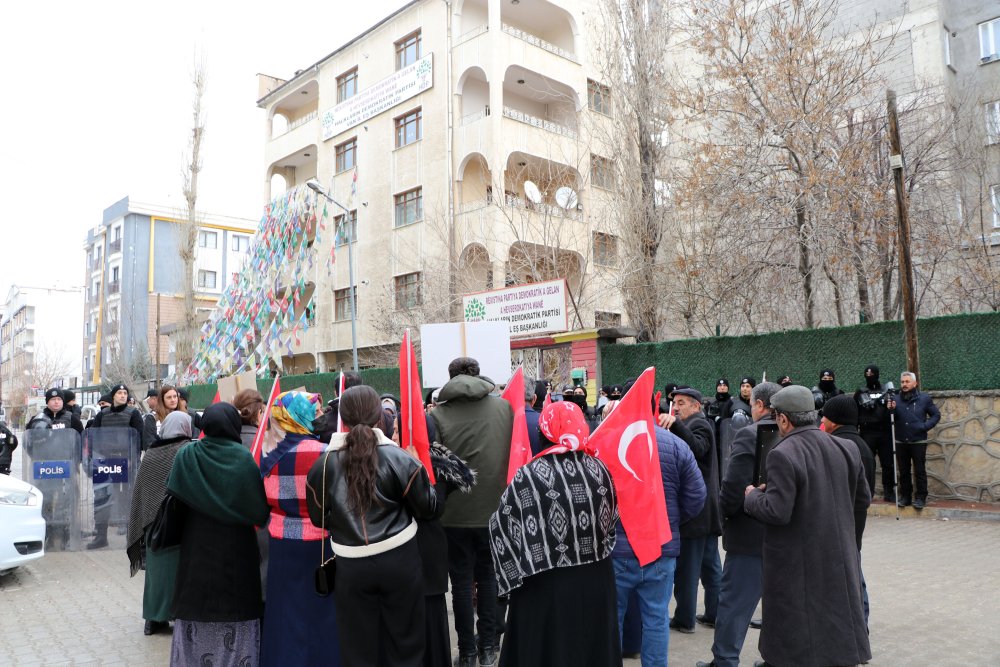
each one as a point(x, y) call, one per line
point(903, 239)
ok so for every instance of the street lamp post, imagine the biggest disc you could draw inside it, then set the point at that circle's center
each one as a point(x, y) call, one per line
point(314, 185)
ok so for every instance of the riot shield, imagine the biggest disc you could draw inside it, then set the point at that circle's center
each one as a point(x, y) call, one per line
point(51, 461)
point(111, 461)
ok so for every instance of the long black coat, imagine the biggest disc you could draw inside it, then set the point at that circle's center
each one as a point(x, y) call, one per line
point(868, 461)
point(813, 613)
point(699, 435)
point(741, 533)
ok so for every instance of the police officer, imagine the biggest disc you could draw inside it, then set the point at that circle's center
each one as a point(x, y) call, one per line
point(8, 443)
point(55, 414)
point(874, 426)
point(149, 421)
point(119, 415)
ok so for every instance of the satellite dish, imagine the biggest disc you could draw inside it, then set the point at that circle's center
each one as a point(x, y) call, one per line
point(532, 192)
point(566, 197)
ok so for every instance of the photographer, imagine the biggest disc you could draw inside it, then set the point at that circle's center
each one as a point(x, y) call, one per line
point(915, 415)
point(874, 426)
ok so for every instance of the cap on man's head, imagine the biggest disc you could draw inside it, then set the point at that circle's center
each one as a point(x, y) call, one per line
point(152, 393)
point(827, 371)
point(117, 388)
point(794, 398)
point(54, 392)
point(722, 382)
point(616, 390)
point(182, 394)
point(748, 380)
point(785, 380)
point(687, 391)
point(106, 398)
point(68, 395)
point(842, 410)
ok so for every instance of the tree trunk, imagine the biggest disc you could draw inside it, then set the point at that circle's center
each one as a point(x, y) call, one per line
point(805, 269)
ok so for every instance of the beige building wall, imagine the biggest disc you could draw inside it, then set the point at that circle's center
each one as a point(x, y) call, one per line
point(508, 105)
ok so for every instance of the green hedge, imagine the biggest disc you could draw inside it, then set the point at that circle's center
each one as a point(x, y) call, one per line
point(384, 380)
point(956, 352)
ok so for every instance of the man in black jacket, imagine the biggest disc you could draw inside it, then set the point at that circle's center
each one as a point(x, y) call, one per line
point(149, 419)
point(8, 443)
point(915, 414)
point(699, 536)
point(742, 536)
point(55, 414)
point(874, 427)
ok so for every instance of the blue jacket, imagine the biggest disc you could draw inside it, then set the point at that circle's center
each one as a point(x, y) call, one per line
point(531, 416)
point(683, 488)
point(915, 415)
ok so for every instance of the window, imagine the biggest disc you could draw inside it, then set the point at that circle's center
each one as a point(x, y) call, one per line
point(995, 201)
point(347, 85)
point(208, 239)
point(989, 40)
point(409, 207)
point(601, 174)
point(408, 128)
point(115, 273)
point(407, 290)
point(347, 155)
point(342, 305)
point(95, 287)
point(408, 50)
point(605, 249)
point(349, 230)
point(603, 320)
point(116, 234)
point(239, 243)
point(598, 97)
point(112, 314)
point(993, 122)
point(206, 279)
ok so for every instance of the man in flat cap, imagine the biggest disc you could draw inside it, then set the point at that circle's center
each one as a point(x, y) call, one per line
point(813, 610)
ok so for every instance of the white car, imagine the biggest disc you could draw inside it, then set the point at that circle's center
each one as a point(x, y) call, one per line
point(22, 528)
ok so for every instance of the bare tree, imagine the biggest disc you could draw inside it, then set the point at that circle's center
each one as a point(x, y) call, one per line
point(186, 335)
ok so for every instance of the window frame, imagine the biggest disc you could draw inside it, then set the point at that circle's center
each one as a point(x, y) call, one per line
point(402, 122)
point(995, 205)
point(203, 235)
point(342, 304)
point(400, 288)
point(608, 244)
point(348, 77)
point(237, 240)
point(352, 227)
point(992, 117)
point(402, 45)
point(598, 97)
point(203, 279)
point(341, 151)
point(989, 32)
point(401, 201)
point(601, 172)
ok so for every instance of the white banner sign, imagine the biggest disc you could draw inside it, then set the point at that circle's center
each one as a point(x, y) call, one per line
point(387, 93)
point(532, 309)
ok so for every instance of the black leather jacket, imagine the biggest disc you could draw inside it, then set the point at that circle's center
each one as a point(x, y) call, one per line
point(403, 491)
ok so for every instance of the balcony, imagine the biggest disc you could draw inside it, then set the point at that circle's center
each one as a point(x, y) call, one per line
point(115, 246)
point(114, 287)
point(547, 125)
point(527, 37)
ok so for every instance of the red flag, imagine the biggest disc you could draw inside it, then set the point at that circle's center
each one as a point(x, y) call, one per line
point(258, 440)
point(635, 467)
point(656, 402)
point(520, 446)
point(412, 423)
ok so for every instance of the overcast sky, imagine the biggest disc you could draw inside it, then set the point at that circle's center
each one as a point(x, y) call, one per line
point(97, 106)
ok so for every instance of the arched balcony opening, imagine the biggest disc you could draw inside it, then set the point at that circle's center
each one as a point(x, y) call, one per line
point(534, 262)
point(535, 99)
point(476, 271)
point(474, 95)
point(542, 24)
point(475, 183)
point(549, 179)
point(296, 108)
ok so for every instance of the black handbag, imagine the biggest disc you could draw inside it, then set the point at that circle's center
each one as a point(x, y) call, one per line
point(326, 573)
point(168, 525)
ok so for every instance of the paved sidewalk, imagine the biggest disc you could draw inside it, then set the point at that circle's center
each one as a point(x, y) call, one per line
point(933, 586)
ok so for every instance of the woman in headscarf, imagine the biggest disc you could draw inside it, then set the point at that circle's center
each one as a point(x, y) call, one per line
point(147, 494)
point(300, 628)
point(368, 493)
point(552, 538)
point(217, 601)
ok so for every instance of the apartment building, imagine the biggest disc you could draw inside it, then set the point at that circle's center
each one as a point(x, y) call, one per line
point(462, 138)
point(38, 342)
point(135, 282)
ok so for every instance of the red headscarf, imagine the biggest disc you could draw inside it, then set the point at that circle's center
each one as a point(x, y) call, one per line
point(562, 422)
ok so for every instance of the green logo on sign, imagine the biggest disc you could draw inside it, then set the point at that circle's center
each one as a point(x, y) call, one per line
point(475, 311)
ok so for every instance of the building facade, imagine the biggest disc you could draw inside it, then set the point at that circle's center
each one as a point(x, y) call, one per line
point(134, 285)
point(38, 343)
point(463, 139)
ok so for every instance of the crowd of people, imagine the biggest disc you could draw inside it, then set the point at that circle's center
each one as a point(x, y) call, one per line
point(329, 543)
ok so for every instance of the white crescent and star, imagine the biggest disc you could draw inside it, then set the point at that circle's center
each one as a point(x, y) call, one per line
point(627, 438)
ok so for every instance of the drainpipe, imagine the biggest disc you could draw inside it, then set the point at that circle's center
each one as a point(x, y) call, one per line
point(453, 308)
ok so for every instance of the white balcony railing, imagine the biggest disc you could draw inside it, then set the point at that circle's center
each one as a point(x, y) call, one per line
point(473, 117)
point(538, 41)
point(471, 34)
point(548, 210)
point(298, 122)
point(547, 125)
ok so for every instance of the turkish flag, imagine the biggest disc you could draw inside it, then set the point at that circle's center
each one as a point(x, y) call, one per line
point(626, 443)
point(265, 420)
point(412, 422)
point(520, 446)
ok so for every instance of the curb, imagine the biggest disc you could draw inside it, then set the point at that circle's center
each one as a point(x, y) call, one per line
point(946, 511)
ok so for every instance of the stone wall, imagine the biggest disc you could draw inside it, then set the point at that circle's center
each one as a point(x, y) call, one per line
point(963, 454)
